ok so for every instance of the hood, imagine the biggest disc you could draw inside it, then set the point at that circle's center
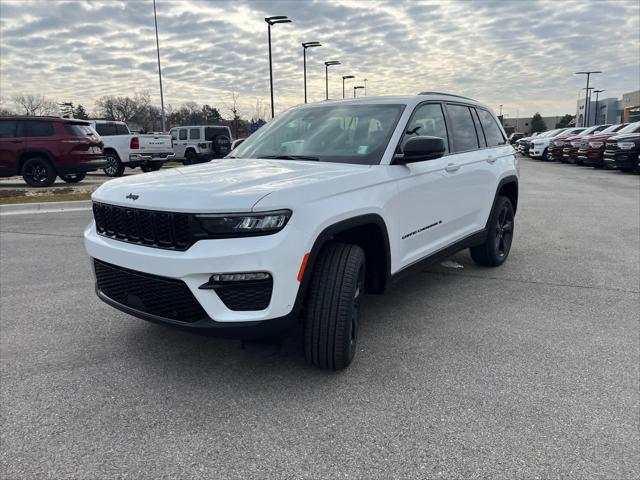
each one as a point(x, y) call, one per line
point(224, 185)
point(598, 137)
point(626, 136)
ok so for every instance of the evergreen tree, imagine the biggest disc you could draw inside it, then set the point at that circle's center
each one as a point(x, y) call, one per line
point(537, 124)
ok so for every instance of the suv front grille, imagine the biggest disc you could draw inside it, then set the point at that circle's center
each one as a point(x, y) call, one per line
point(160, 296)
point(611, 146)
point(145, 227)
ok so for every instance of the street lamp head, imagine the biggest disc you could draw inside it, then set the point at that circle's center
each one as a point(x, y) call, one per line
point(587, 73)
point(277, 19)
point(356, 87)
point(332, 62)
point(311, 44)
point(598, 91)
point(344, 77)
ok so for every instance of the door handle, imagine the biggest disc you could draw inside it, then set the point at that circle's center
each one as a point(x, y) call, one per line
point(16, 141)
point(452, 167)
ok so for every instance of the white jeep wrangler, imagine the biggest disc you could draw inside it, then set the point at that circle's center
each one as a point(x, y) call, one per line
point(323, 204)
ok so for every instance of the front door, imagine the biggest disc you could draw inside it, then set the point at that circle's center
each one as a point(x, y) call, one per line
point(10, 146)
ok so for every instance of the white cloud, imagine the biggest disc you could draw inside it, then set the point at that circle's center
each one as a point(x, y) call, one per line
point(519, 54)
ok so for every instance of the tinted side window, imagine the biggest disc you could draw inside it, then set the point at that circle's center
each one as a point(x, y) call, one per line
point(183, 134)
point(106, 129)
point(210, 132)
point(174, 134)
point(121, 129)
point(37, 129)
point(428, 121)
point(194, 134)
point(8, 128)
point(462, 129)
point(479, 132)
point(491, 129)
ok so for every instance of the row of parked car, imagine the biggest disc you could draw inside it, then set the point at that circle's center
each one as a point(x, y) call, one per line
point(43, 148)
point(601, 146)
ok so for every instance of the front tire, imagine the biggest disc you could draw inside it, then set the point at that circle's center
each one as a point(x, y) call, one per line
point(38, 172)
point(73, 177)
point(495, 250)
point(333, 306)
point(114, 167)
point(545, 155)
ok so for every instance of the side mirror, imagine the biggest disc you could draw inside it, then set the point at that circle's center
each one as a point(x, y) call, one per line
point(419, 149)
point(237, 142)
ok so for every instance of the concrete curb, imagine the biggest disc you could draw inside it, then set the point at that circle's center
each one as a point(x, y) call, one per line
point(46, 207)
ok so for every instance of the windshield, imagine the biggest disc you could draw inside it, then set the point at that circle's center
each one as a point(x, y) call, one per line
point(612, 128)
point(340, 133)
point(631, 128)
point(590, 130)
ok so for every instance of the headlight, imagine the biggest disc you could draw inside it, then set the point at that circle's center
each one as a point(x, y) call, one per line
point(241, 224)
point(626, 145)
point(595, 144)
point(575, 144)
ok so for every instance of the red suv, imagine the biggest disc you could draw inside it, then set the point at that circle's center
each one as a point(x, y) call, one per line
point(591, 151)
point(41, 148)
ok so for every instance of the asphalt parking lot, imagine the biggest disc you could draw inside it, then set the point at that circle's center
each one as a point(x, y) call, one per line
point(526, 371)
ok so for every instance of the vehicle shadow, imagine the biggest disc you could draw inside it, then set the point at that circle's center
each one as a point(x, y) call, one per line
point(402, 312)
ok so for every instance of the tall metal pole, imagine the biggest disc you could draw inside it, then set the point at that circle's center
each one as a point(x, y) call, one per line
point(155, 19)
point(587, 100)
point(365, 87)
point(305, 72)
point(343, 87)
point(597, 92)
point(326, 81)
point(270, 72)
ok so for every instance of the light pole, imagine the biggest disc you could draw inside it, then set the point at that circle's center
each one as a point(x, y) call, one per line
point(162, 118)
point(597, 92)
point(344, 77)
point(586, 105)
point(272, 21)
point(306, 45)
point(356, 87)
point(365, 87)
point(588, 95)
point(326, 75)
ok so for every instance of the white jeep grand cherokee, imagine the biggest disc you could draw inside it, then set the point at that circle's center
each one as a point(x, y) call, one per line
point(321, 205)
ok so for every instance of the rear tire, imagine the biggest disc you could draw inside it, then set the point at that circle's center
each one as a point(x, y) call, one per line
point(190, 158)
point(495, 250)
point(151, 167)
point(38, 172)
point(333, 306)
point(73, 177)
point(114, 167)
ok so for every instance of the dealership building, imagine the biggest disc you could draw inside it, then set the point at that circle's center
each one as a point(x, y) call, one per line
point(610, 110)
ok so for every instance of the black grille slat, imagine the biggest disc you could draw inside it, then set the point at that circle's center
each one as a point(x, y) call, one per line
point(143, 227)
point(160, 296)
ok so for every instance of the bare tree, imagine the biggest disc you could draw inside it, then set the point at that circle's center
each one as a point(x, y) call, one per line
point(232, 106)
point(34, 105)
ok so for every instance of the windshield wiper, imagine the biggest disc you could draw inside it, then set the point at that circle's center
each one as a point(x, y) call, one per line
point(290, 157)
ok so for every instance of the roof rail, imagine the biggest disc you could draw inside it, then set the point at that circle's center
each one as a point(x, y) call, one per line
point(447, 94)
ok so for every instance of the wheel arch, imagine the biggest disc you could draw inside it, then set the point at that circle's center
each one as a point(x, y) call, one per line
point(368, 231)
point(114, 150)
point(28, 154)
point(507, 187)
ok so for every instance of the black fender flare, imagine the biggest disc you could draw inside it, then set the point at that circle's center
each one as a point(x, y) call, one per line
point(326, 236)
point(504, 181)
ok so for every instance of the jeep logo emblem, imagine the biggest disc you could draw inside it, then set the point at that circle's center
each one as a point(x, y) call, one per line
point(132, 196)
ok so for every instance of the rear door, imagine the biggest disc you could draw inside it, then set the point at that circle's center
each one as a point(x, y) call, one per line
point(496, 152)
point(468, 169)
point(10, 147)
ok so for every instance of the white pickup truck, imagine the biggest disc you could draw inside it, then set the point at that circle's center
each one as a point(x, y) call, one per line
point(125, 149)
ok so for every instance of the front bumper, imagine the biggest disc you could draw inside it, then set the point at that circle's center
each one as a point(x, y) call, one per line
point(280, 255)
point(627, 160)
point(590, 157)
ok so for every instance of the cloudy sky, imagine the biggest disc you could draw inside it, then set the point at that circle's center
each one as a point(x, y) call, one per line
point(521, 54)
